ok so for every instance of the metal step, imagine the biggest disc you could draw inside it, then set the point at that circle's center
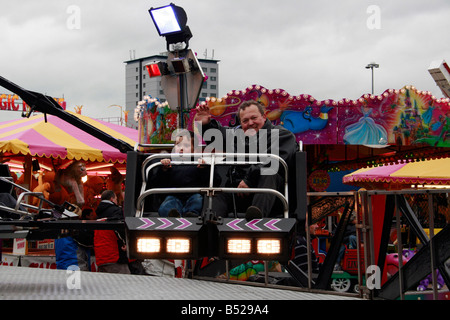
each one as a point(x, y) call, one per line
point(45, 284)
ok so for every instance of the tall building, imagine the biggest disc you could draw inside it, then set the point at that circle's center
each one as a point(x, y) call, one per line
point(138, 83)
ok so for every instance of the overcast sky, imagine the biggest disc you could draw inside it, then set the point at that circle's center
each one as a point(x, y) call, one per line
point(77, 49)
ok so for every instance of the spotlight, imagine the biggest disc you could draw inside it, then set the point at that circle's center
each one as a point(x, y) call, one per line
point(148, 245)
point(239, 246)
point(178, 245)
point(268, 246)
point(170, 22)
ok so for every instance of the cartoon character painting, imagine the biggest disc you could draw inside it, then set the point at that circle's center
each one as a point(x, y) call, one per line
point(365, 131)
point(301, 121)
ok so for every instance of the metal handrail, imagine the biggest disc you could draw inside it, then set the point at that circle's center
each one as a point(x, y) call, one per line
point(20, 202)
point(140, 200)
point(225, 158)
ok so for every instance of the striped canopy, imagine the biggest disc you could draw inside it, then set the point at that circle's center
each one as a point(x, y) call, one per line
point(435, 172)
point(57, 138)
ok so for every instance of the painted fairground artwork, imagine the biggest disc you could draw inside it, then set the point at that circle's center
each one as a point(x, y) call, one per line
point(402, 117)
point(156, 121)
point(310, 121)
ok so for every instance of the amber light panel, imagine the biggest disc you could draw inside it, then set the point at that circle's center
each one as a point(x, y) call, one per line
point(178, 245)
point(148, 245)
point(269, 246)
point(239, 245)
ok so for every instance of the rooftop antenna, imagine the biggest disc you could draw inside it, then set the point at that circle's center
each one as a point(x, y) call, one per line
point(132, 54)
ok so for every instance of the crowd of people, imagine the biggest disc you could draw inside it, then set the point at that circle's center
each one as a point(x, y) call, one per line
point(108, 246)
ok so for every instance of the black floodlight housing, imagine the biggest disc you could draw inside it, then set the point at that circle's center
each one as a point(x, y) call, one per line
point(170, 22)
point(163, 238)
point(260, 239)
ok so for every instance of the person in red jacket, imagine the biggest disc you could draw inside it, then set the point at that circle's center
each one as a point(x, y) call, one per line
point(109, 245)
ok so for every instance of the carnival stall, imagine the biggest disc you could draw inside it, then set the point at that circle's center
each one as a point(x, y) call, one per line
point(402, 175)
point(48, 144)
point(49, 155)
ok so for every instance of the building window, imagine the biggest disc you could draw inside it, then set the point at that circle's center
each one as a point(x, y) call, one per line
point(213, 70)
point(205, 85)
point(213, 87)
point(213, 78)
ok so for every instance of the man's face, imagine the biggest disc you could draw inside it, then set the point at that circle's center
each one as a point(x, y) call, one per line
point(114, 199)
point(182, 145)
point(252, 119)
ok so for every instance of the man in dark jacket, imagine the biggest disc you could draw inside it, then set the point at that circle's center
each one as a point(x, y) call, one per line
point(255, 135)
point(109, 245)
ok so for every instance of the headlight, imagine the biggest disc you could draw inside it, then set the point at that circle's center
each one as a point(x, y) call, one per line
point(239, 246)
point(178, 245)
point(148, 245)
point(268, 246)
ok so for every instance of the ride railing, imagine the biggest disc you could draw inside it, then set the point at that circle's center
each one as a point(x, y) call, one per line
point(24, 206)
point(212, 160)
point(415, 227)
point(326, 206)
point(403, 241)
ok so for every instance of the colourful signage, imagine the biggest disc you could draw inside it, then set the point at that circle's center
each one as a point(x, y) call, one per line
point(12, 102)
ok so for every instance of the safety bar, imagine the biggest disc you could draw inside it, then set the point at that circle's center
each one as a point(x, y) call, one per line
point(213, 157)
point(224, 158)
point(209, 192)
point(20, 198)
point(20, 201)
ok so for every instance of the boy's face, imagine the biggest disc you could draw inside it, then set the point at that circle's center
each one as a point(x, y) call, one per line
point(183, 145)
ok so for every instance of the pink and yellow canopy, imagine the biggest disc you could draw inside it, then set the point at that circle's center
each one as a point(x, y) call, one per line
point(436, 172)
point(57, 138)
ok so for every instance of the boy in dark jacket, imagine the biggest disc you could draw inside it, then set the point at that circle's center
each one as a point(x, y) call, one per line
point(109, 245)
point(182, 176)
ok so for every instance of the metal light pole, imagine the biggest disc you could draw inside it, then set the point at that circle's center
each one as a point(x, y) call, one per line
point(371, 66)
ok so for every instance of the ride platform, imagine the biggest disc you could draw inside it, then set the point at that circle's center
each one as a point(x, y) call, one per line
point(48, 284)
